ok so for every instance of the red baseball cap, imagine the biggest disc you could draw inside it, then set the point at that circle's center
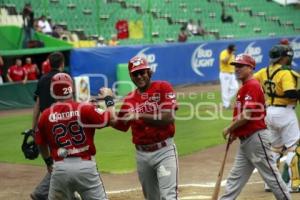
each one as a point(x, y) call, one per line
point(137, 63)
point(244, 59)
point(284, 41)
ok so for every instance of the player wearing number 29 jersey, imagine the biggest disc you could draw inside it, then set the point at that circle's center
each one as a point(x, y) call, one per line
point(67, 129)
point(62, 125)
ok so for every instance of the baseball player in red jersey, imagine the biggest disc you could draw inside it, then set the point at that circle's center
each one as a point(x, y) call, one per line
point(67, 128)
point(46, 67)
point(31, 69)
point(17, 73)
point(149, 111)
point(249, 126)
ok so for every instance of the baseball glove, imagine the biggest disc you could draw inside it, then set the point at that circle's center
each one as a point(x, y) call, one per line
point(29, 148)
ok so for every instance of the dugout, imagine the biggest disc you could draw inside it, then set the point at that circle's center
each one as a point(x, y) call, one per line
point(17, 95)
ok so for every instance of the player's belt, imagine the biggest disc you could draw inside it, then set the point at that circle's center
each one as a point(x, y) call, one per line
point(283, 106)
point(228, 72)
point(244, 137)
point(70, 157)
point(151, 147)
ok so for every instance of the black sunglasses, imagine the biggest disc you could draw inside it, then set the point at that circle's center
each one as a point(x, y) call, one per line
point(139, 72)
point(239, 65)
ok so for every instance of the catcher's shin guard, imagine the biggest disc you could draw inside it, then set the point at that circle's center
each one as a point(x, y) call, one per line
point(285, 173)
point(294, 166)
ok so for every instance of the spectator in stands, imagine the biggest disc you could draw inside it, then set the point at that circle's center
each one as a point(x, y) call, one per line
point(46, 67)
point(191, 27)
point(28, 22)
point(44, 25)
point(31, 69)
point(226, 18)
point(64, 34)
point(100, 42)
point(200, 29)
point(57, 31)
point(182, 36)
point(113, 41)
point(36, 26)
point(1, 65)
point(17, 73)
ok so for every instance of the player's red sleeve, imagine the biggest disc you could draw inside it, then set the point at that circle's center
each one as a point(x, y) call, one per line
point(25, 71)
point(40, 134)
point(92, 116)
point(120, 125)
point(168, 97)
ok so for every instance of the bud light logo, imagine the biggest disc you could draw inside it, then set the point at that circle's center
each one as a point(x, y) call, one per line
point(149, 57)
point(202, 58)
point(255, 52)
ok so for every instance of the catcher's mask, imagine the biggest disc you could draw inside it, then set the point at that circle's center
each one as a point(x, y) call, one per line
point(280, 51)
point(29, 148)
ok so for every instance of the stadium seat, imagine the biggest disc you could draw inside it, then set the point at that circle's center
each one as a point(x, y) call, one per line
point(164, 17)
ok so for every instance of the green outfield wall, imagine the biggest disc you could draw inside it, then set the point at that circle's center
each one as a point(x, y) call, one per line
point(17, 95)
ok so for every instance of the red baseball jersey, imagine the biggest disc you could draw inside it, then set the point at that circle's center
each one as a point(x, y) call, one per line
point(250, 96)
point(158, 97)
point(46, 68)
point(31, 71)
point(16, 73)
point(122, 29)
point(70, 125)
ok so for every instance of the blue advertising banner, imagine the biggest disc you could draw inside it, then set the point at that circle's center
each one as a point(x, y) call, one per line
point(178, 63)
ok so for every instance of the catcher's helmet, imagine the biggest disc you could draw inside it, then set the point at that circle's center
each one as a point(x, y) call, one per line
point(61, 86)
point(244, 59)
point(29, 148)
point(137, 63)
point(279, 51)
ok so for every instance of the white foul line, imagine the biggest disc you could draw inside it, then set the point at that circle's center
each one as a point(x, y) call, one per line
point(195, 197)
point(203, 185)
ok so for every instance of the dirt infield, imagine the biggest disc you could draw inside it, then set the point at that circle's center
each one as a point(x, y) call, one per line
point(197, 174)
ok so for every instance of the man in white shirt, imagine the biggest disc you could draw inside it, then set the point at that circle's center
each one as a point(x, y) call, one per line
point(44, 25)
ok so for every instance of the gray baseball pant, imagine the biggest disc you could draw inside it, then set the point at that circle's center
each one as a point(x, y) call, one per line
point(75, 174)
point(42, 189)
point(255, 152)
point(158, 172)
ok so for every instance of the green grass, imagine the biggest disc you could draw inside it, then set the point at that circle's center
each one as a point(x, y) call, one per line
point(115, 152)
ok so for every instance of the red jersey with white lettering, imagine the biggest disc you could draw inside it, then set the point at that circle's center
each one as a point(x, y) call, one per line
point(158, 97)
point(31, 70)
point(250, 96)
point(70, 125)
point(46, 68)
point(16, 73)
